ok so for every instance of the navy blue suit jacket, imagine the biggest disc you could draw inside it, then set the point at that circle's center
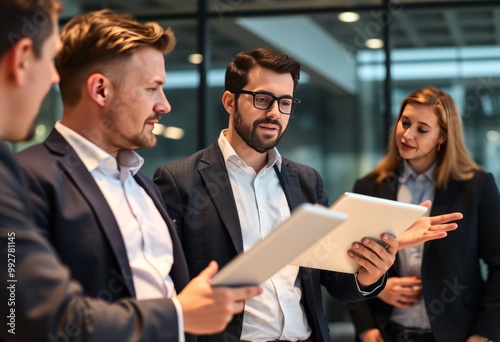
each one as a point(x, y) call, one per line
point(199, 197)
point(73, 214)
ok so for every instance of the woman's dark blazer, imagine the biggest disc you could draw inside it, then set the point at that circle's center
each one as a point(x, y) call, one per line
point(460, 300)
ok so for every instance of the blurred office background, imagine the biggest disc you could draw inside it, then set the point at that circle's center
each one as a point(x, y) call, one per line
point(360, 59)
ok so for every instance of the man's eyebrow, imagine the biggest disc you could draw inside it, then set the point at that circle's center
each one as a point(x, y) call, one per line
point(157, 81)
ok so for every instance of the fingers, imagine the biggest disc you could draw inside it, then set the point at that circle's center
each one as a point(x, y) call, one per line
point(375, 258)
point(402, 305)
point(392, 243)
point(226, 299)
point(208, 309)
point(373, 251)
point(443, 227)
point(234, 298)
point(435, 220)
point(407, 281)
point(238, 294)
point(428, 228)
point(372, 335)
point(209, 271)
point(403, 300)
point(229, 294)
point(409, 296)
point(426, 203)
point(434, 236)
point(411, 292)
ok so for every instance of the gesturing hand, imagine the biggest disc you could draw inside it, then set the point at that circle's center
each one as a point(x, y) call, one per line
point(428, 228)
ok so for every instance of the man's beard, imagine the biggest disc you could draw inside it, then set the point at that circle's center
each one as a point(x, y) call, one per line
point(120, 111)
point(248, 133)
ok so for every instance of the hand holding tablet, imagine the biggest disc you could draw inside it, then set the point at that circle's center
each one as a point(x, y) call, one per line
point(319, 237)
point(367, 217)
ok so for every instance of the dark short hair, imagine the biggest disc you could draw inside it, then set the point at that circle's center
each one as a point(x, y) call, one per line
point(27, 19)
point(237, 70)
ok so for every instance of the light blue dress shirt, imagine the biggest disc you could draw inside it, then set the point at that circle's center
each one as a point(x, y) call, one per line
point(413, 188)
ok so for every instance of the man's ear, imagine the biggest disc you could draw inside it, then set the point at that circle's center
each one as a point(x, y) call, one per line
point(98, 88)
point(19, 59)
point(228, 101)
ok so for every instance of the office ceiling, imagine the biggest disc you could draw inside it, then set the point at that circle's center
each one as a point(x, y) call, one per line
point(416, 23)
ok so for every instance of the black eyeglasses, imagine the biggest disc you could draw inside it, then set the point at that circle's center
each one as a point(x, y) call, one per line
point(264, 100)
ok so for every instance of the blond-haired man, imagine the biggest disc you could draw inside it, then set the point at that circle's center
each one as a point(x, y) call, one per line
point(40, 300)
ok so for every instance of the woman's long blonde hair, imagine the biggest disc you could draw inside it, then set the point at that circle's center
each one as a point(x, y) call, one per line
point(454, 160)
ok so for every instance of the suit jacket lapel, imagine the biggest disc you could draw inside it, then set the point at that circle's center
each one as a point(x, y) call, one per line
point(71, 166)
point(389, 188)
point(213, 172)
point(444, 199)
point(289, 181)
point(179, 271)
point(441, 204)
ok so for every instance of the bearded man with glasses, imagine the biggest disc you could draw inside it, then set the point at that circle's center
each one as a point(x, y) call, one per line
point(229, 196)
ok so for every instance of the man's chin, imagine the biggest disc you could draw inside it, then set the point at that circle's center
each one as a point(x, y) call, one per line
point(30, 135)
point(149, 143)
point(21, 136)
point(263, 148)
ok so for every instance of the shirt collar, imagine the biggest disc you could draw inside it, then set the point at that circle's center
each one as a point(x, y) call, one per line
point(230, 155)
point(408, 172)
point(94, 157)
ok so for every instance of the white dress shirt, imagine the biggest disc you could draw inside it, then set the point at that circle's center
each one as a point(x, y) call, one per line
point(276, 314)
point(414, 189)
point(144, 231)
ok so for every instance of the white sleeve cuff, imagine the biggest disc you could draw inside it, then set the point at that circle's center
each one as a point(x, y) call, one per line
point(180, 319)
point(364, 293)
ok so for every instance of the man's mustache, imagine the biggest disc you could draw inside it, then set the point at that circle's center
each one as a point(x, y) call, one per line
point(268, 121)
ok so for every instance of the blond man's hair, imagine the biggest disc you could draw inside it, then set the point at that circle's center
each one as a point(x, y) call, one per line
point(454, 160)
point(98, 42)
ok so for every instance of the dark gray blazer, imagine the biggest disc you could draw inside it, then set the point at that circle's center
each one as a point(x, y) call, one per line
point(72, 213)
point(199, 197)
point(459, 303)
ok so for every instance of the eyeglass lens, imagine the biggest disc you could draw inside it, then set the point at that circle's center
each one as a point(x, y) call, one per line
point(264, 101)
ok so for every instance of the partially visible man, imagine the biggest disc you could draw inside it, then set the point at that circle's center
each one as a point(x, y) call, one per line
point(242, 188)
point(40, 300)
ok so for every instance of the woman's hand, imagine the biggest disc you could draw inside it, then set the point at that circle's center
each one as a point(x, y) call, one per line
point(401, 292)
point(428, 228)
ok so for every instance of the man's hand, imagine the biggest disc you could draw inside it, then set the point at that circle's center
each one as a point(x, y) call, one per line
point(402, 292)
point(373, 258)
point(372, 335)
point(477, 338)
point(207, 309)
point(428, 228)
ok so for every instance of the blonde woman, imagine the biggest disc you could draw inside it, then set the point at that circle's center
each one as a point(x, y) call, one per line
point(436, 291)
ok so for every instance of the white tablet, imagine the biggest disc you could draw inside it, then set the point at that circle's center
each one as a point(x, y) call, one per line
point(367, 217)
point(307, 224)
